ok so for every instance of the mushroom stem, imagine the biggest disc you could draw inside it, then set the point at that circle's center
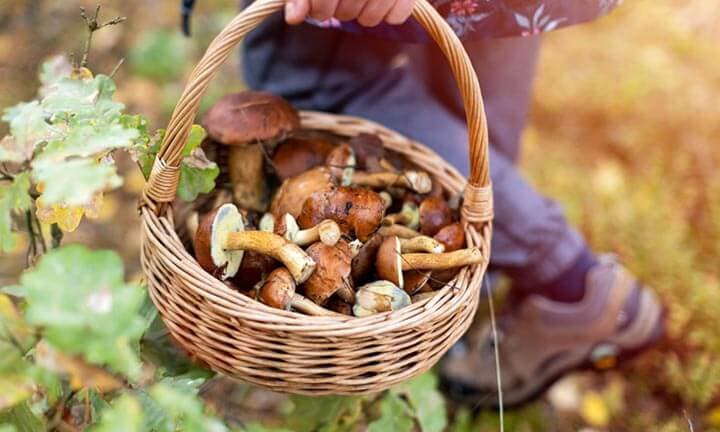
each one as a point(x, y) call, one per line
point(398, 230)
point(304, 305)
point(326, 231)
point(442, 261)
point(408, 216)
point(247, 176)
point(295, 259)
point(416, 180)
point(386, 198)
point(347, 294)
point(421, 244)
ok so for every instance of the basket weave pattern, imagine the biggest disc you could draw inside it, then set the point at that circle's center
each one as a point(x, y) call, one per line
point(287, 351)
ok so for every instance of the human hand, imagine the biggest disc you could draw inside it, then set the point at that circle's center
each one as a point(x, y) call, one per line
point(368, 13)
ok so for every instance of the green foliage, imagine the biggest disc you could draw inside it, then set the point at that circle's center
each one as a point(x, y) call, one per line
point(428, 404)
point(14, 198)
point(124, 415)
point(197, 173)
point(184, 410)
point(90, 310)
point(158, 55)
point(324, 414)
point(394, 415)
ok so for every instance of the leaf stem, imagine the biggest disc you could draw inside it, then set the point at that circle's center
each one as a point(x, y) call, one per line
point(32, 247)
point(40, 233)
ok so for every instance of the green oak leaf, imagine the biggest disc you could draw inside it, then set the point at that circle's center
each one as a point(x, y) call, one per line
point(83, 101)
point(87, 141)
point(394, 415)
point(427, 402)
point(125, 414)
point(324, 414)
point(184, 410)
point(28, 128)
point(79, 180)
point(197, 175)
point(14, 197)
point(79, 298)
point(22, 418)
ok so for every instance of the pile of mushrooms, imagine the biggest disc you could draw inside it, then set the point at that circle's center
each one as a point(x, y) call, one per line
point(323, 224)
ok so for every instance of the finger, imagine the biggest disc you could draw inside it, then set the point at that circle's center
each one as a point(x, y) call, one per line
point(374, 12)
point(400, 12)
point(349, 9)
point(296, 11)
point(323, 10)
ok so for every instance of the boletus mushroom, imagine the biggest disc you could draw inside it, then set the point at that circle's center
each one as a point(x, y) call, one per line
point(453, 238)
point(332, 273)
point(434, 215)
point(278, 291)
point(364, 257)
point(294, 156)
point(369, 152)
point(357, 211)
point(421, 244)
point(221, 240)
point(417, 181)
point(341, 163)
point(295, 190)
point(388, 261)
point(416, 280)
point(245, 122)
point(326, 231)
point(377, 297)
point(408, 216)
point(398, 230)
point(254, 268)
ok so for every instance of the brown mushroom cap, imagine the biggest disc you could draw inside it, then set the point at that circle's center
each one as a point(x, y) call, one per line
point(415, 281)
point(341, 162)
point(434, 215)
point(369, 150)
point(357, 211)
point(209, 252)
point(336, 304)
point(389, 261)
point(331, 273)
point(250, 117)
point(452, 237)
point(278, 289)
point(255, 266)
point(295, 156)
point(294, 191)
point(364, 261)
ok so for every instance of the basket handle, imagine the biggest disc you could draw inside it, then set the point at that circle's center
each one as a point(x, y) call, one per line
point(162, 185)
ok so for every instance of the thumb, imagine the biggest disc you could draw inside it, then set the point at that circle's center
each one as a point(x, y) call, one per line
point(296, 11)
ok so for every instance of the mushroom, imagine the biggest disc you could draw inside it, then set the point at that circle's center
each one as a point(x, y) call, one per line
point(341, 162)
point(451, 236)
point(253, 269)
point(278, 291)
point(415, 280)
point(294, 191)
point(421, 244)
point(417, 181)
point(434, 214)
point(417, 298)
point(295, 156)
point(326, 231)
point(388, 262)
point(332, 273)
point(387, 199)
point(442, 261)
point(380, 296)
point(409, 216)
point(398, 230)
point(369, 152)
point(364, 260)
point(336, 304)
point(221, 240)
point(246, 122)
point(357, 211)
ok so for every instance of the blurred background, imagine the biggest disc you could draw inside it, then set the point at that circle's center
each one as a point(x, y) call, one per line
point(625, 132)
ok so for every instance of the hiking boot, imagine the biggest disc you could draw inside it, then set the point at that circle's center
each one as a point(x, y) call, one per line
point(541, 340)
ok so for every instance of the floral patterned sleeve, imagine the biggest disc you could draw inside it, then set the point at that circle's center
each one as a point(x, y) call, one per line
point(473, 19)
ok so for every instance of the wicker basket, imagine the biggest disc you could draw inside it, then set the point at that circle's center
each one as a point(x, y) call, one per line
point(286, 351)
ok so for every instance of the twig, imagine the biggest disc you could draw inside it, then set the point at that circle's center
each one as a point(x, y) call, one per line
point(32, 247)
point(93, 25)
point(496, 347)
point(57, 235)
point(40, 233)
point(117, 67)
